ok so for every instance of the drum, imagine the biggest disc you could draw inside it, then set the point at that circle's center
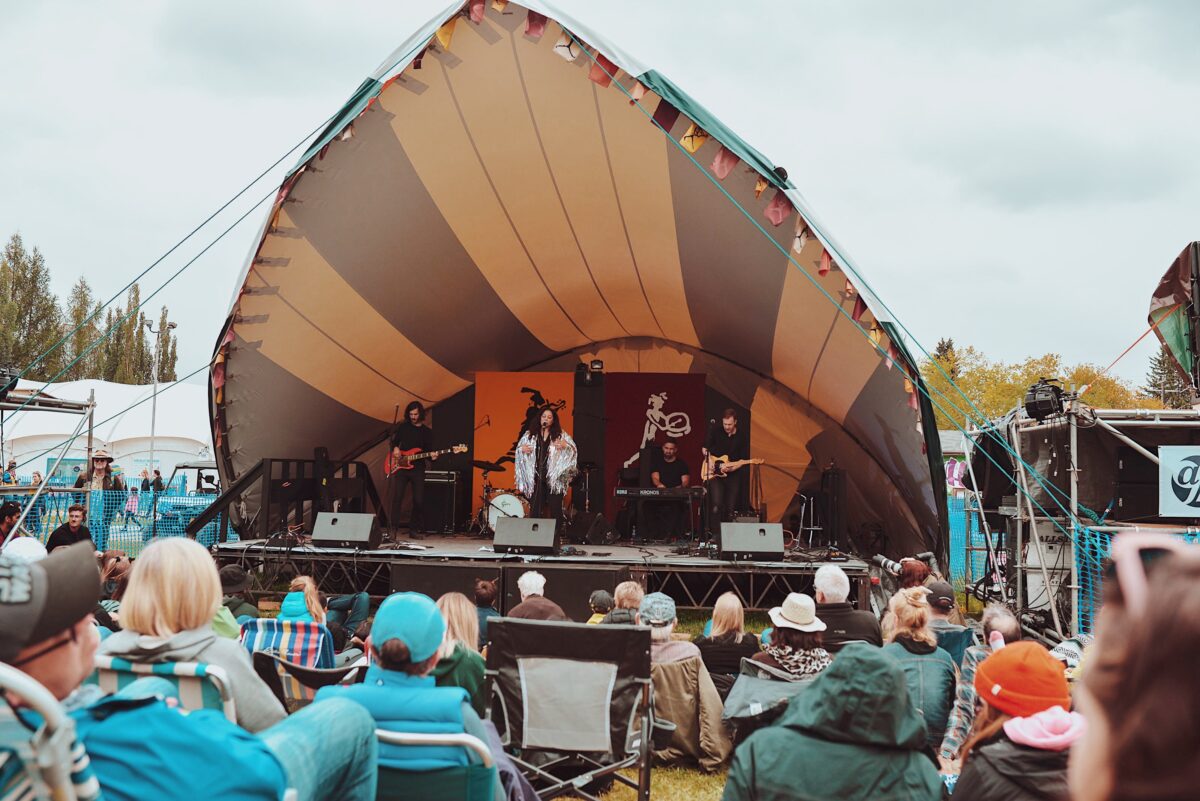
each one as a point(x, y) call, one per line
point(505, 503)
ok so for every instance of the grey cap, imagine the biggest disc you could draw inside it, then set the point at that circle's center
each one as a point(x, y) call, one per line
point(40, 599)
point(657, 609)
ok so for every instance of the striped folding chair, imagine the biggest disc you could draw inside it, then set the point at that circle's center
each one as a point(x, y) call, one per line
point(308, 645)
point(200, 686)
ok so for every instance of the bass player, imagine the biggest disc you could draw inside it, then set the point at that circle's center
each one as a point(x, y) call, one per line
point(725, 486)
point(412, 433)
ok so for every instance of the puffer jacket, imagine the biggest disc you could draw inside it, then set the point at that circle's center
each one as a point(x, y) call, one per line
point(852, 735)
point(1026, 761)
point(932, 677)
point(684, 694)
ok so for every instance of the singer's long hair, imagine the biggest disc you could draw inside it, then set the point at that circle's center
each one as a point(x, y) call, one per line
point(533, 424)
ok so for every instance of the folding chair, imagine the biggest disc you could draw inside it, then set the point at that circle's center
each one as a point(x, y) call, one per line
point(296, 685)
point(52, 756)
point(574, 697)
point(306, 644)
point(471, 782)
point(760, 694)
point(200, 686)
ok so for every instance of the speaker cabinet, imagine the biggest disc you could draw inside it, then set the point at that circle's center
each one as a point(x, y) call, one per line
point(357, 530)
point(758, 542)
point(525, 535)
point(441, 501)
point(569, 586)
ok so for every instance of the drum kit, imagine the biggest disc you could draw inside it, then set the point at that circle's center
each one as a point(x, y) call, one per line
point(498, 502)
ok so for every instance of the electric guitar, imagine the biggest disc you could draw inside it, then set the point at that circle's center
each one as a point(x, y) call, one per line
point(399, 460)
point(721, 466)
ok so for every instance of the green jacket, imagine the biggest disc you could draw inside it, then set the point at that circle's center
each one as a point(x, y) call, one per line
point(852, 735)
point(238, 606)
point(463, 668)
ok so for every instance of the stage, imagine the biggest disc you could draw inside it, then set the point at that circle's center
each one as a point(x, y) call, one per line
point(446, 563)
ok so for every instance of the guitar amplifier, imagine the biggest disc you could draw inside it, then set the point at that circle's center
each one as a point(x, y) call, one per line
point(441, 501)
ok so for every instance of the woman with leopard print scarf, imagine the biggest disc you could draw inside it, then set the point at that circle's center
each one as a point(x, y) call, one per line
point(796, 639)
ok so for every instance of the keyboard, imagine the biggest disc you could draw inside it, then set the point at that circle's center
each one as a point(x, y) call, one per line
point(655, 492)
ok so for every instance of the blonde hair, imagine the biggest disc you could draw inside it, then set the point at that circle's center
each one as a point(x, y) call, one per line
point(729, 617)
point(628, 595)
point(312, 598)
point(910, 612)
point(462, 623)
point(173, 587)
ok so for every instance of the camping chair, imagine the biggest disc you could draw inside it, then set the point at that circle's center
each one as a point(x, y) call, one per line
point(955, 643)
point(52, 755)
point(472, 782)
point(574, 697)
point(760, 694)
point(684, 694)
point(295, 685)
point(309, 645)
point(200, 686)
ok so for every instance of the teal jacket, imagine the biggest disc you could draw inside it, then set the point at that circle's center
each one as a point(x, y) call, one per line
point(294, 608)
point(932, 678)
point(852, 736)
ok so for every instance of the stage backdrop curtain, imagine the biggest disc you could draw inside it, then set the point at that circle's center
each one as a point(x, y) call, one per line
point(501, 402)
point(643, 409)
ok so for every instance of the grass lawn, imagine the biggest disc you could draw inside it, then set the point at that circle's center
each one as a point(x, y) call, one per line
point(674, 784)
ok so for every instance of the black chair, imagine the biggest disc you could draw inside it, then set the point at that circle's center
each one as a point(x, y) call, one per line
point(295, 685)
point(573, 702)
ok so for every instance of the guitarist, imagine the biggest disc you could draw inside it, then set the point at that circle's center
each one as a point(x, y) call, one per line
point(725, 490)
point(412, 433)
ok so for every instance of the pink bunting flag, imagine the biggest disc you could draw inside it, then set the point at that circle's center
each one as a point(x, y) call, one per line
point(724, 162)
point(535, 24)
point(477, 11)
point(826, 263)
point(850, 290)
point(637, 92)
point(914, 402)
point(779, 209)
point(602, 71)
point(893, 354)
point(860, 308)
point(665, 115)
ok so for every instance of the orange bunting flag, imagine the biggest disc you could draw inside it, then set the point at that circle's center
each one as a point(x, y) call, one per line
point(779, 209)
point(802, 235)
point(724, 162)
point(500, 5)
point(535, 24)
point(860, 308)
point(826, 263)
point(908, 387)
point(567, 47)
point(637, 92)
point(875, 334)
point(760, 186)
point(446, 32)
point(602, 71)
point(477, 11)
point(694, 139)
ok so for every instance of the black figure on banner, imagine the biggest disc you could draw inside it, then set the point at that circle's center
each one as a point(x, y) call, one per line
point(546, 461)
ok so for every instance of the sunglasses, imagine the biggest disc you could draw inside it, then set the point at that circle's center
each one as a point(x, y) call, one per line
point(1132, 554)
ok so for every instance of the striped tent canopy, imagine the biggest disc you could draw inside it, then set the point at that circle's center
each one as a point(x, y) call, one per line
point(508, 191)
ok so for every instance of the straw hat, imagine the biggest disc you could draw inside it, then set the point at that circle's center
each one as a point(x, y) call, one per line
point(798, 612)
point(101, 454)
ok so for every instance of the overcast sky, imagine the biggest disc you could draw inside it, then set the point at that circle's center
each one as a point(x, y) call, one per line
point(1016, 175)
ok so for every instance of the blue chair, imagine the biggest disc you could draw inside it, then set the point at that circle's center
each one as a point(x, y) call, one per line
point(305, 644)
point(200, 686)
point(472, 782)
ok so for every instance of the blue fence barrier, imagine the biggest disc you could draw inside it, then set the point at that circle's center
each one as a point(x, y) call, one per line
point(963, 526)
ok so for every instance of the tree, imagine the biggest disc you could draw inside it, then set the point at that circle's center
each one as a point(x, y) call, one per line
point(82, 332)
point(944, 353)
point(28, 312)
point(1165, 384)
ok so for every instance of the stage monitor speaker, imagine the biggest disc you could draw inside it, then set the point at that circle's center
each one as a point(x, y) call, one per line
point(591, 528)
point(525, 535)
point(356, 530)
point(760, 542)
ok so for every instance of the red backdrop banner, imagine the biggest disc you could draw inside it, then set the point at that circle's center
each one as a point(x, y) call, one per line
point(649, 409)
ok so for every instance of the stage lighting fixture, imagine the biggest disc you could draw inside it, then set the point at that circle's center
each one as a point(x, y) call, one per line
point(1044, 399)
point(597, 366)
point(8, 381)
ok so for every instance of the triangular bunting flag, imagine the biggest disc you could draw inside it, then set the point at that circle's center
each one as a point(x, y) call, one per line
point(826, 263)
point(567, 47)
point(637, 92)
point(694, 138)
point(760, 186)
point(875, 334)
point(908, 387)
point(665, 115)
point(446, 32)
point(779, 209)
point(724, 162)
point(535, 24)
point(802, 234)
point(850, 290)
point(500, 5)
point(417, 59)
point(893, 354)
point(602, 71)
point(860, 308)
point(914, 403)
point(477, 11)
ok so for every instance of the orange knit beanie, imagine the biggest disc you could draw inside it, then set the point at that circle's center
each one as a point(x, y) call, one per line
point(1022, 679)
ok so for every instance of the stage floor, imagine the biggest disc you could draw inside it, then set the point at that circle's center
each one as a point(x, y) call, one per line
point(439, 563)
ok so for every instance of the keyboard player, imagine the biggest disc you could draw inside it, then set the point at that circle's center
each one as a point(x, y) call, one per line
point(665, 518)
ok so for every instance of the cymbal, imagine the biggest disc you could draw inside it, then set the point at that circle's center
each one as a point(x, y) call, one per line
point(488, 467)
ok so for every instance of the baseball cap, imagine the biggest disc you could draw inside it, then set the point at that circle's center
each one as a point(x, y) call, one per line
point(412, 618)
point(657, 609)
point(40, 599)
point(601, 600)
point(941, 595)
point(26, 549)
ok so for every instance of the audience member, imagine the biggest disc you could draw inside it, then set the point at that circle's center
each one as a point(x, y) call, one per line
point(796, 639)
point(931, 673)
point(913, 573)
point(627, 597)
point(1023, 733)
point(9, 514)
point(135, 744)
point(534, 604)
point(1000, 626)
point(400, 693)
point(601, 603)
point(1139, 691)
point(302, 603)
point(728, 642)
point(657, 611)
point(102, 477)
point(853, 735)
point(235, 593)
point(485, 606)
point(843, 623)
point(942, 605)
point(70, 532)
point(10, 473)
point(167, 614)
point(459, 663)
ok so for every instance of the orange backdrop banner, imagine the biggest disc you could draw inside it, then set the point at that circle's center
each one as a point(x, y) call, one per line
point(503, 400)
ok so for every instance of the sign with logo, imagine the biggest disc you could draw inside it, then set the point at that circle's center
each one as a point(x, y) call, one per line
point(1179, 480)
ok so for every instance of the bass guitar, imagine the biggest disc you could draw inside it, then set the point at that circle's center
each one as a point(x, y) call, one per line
point(721, 466)
point(399, 460)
